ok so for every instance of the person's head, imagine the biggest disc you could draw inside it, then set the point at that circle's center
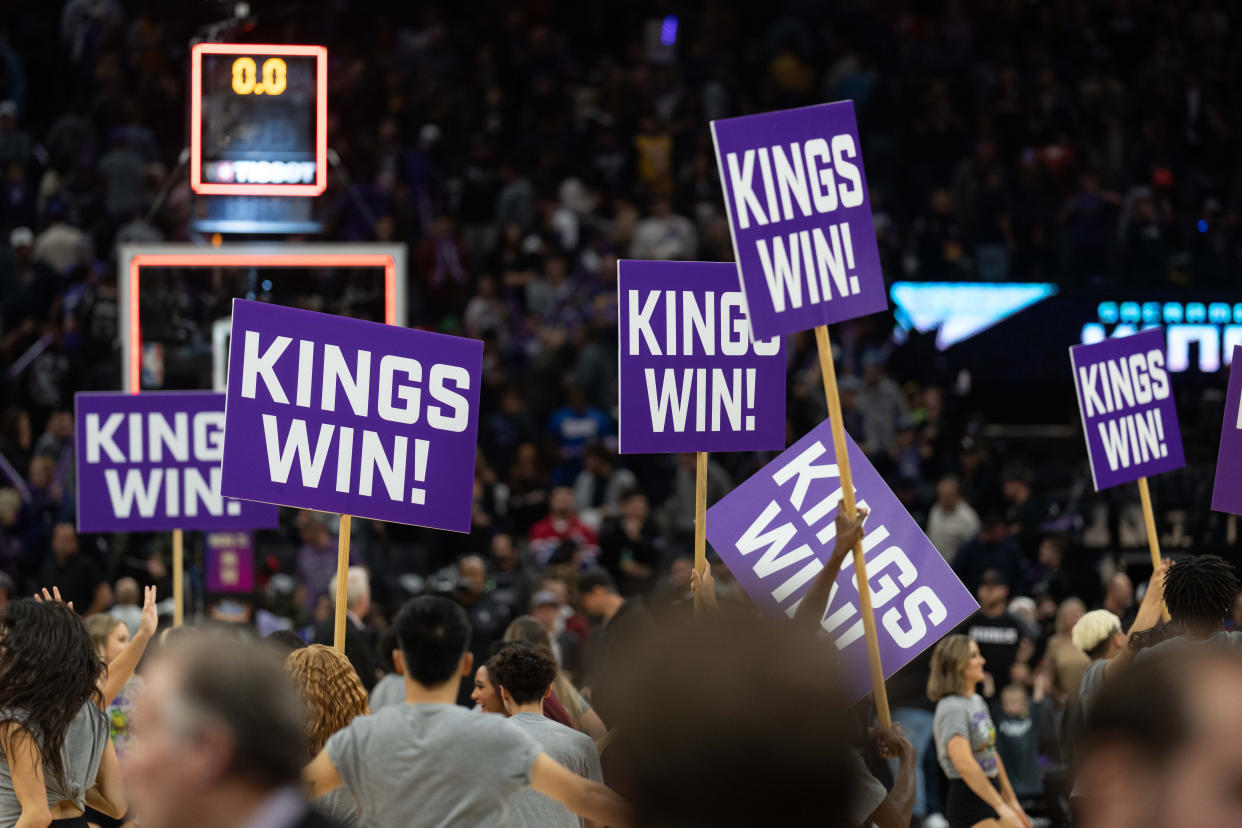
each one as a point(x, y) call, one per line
point(993, 528)
point(313, 528)
point(1199, 592)
point(486, 694)
point(109, 635)
point(1119, 594)
point(127, 592)
point(284, 642)
point(503, 552)
point(685, 739)
point(1160, 748)
point(993, 593)
point(1017, 485)
point(597, 460)
point(530, 630)
point(48, 670)
point(357, 590)
point(1068, 613)
point(10, 507)
point(1052, 552)
point(433, 635)
point(1098, 634)
point(956, 667)
point(545, 608)
point(331, 689)
point(597, 593)
point(216, 715)
point(524, 673)
point(60, 424)
point(634, 506)
point(64, 541)
point(561, 502)
point(1014, 701)
point(472, 573)
point(1023, 608)
point(948, 493)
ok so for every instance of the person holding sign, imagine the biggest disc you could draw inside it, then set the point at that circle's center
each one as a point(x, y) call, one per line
point(979, 790)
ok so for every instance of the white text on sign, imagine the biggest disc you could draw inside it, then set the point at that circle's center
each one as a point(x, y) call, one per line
point(1116, 385)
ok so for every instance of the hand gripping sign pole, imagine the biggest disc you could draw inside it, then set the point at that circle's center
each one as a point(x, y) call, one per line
point(1149, 520)
point(833, 396)
point(700, 521)
point(342, 581)
point(178, 540)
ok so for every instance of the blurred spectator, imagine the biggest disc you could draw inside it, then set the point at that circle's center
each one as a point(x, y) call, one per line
point(128, 606)
point(993, 550)
point(1063, 661)
point(998, 634)
point(951, 521)
point(78, 578)
point(562, 524)
point(1119, 598)
point(572, 428)
point(664, 235)
point(631, 547)
point(359, 641)
point(488, 617)
point(882, 405)
point(601, 485)
point(317, 557)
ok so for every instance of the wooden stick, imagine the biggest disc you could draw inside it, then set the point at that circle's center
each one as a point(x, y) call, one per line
point(847, 504)
point(342, 584)
point(1149, 520)
point(700, 521)
point(178, 578)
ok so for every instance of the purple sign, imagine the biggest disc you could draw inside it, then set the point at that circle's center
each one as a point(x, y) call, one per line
point(352, 417)
point(690, 378)
point(1227, 490)
point(151, 462)
point(776, 530)
point(800, 217)
point(229, 562)
point(1128, 413)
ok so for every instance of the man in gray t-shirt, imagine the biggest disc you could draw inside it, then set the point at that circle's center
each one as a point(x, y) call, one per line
point(968, 717)
point(525, 674)
point(428, 762)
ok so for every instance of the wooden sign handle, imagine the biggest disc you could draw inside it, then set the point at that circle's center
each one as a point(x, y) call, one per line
point(700, 521)
point(1153, 540)
point(833, 396)
point(178, 540)
point(342, 584)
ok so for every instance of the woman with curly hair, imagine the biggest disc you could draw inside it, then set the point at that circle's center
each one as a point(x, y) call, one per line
point(334, 696)
point(55, 754)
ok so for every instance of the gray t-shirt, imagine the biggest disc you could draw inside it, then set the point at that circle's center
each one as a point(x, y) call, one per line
point(970, 718)
point(1092, 681)
point(85, 742)
point(1224, 638)
point(340, 807)
point(574, 750)
point(388, 691)
point(432, 765)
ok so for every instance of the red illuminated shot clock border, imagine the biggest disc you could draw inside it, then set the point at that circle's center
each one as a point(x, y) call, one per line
point(201, 187)
point(389, 257)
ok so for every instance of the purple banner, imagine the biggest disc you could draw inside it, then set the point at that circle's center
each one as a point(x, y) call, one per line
point(1128, 413)
point(351, 417)
point(229, 562)
point(776, 530)
point(690, 378)
point(1227, 490)
point(151, 462)
point(800, 216)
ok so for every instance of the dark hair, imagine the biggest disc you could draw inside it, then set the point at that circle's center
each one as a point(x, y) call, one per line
point(243, 686)
point(433, 633)
point(1200, 591)
point(594, 577)
point(284, 641)
point(525, 671)
point(388, 643)
point(48, 670)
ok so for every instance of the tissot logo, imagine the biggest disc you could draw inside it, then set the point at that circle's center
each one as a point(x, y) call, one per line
point(260, 172)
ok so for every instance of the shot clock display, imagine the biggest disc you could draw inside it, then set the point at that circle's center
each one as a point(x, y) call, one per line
point(258, 119)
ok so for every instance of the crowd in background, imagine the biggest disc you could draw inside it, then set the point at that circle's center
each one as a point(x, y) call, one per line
point(519, 151)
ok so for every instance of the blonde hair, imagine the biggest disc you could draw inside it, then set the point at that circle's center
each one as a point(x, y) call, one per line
point(1093, 629)
point(330, 686)
point(530, 629)
point(947, 663)
point(99, 627)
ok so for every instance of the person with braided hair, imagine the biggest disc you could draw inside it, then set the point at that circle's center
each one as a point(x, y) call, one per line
point(1199, 593)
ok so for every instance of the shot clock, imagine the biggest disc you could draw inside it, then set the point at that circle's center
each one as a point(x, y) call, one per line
point(258, 119)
